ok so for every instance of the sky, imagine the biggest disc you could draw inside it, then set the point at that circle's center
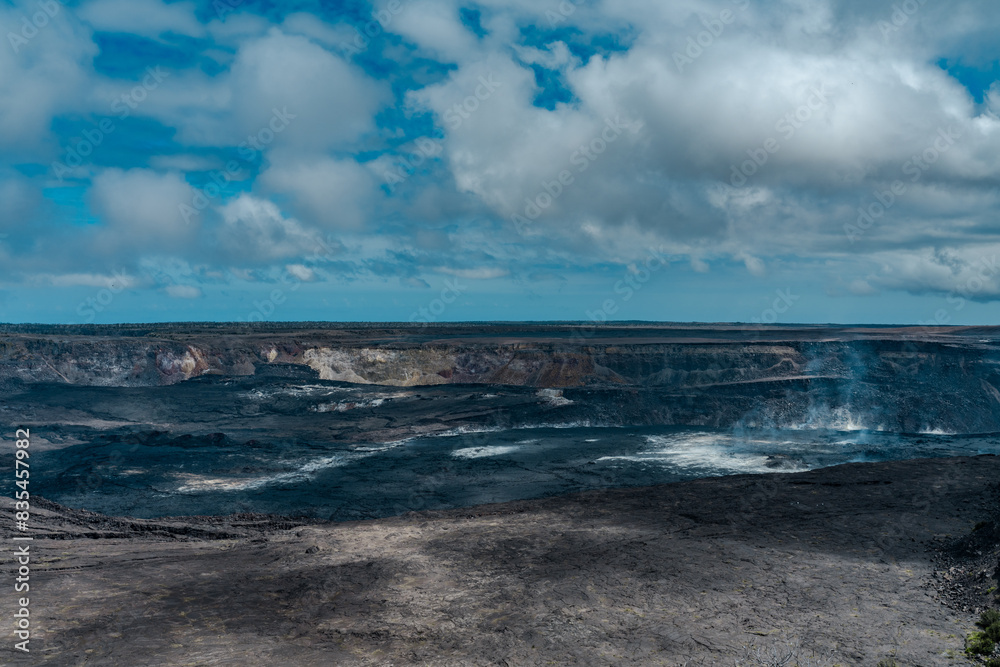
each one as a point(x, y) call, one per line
point(773, 161)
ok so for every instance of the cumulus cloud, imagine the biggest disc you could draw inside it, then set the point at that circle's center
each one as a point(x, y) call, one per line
point(754, 265)
point(40, 77)
point(19, 201)
point(728, 134)
point(280, 90)
point(333, 102)
point(333, 193)
point(149, 18)
point(141, 209)
point(973, 273)
point(436, 29)
point(254, 231)
point(763, 142)
point(301, 272)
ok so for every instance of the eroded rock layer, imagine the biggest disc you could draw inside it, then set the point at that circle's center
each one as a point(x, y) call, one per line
point(900, 379)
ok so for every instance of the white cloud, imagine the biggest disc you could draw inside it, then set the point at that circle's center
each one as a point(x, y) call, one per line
point(332, 193)
point(115, 281)
point(333, 102)
point(501, 148)
point(183, 291)
point(141, 209)
point(40, 78)
point(19, 201)
point(307, 25)
point(973, 272)
point(846, 108)
point(555, 56)
point(481, 273)
point(754, 265)
point(253, 230)
point(861, 287)
point(150, 18)
point(436, 29)
point(666, 181)
point(301, 272)
point(322, 102)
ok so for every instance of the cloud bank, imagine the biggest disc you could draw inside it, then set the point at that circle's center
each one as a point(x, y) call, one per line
point(854, 146)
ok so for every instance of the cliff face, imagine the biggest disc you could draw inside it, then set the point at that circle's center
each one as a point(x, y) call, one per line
point(926, 379)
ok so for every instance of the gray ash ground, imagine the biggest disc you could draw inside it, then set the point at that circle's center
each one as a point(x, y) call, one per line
point(648, 495)
point(834, 563)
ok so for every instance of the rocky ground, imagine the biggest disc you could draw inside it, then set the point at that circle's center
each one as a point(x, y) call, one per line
point(846, 565)
point(901, 379)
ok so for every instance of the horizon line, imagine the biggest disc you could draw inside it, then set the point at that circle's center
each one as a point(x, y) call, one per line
point(425, 325)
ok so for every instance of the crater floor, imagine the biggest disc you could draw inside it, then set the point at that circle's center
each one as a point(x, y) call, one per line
point(838, 563)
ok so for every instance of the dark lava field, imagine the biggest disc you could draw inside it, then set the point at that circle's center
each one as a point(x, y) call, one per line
point(520, 494)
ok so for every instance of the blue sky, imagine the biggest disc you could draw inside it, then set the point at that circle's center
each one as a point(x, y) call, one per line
point(433, 160)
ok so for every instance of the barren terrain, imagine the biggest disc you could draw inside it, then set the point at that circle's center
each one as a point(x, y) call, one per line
point(838, 563)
